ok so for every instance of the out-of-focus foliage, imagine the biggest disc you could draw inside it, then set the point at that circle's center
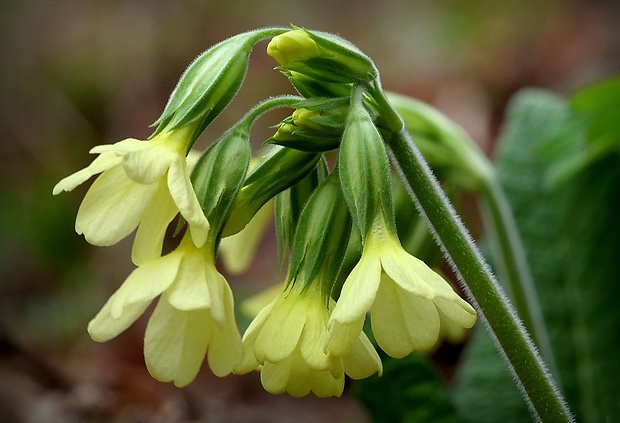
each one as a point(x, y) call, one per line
point(572, 238)
point(591, 133)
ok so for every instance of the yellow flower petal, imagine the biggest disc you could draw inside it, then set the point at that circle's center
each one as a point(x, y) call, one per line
point(249, 362)
point(457, 310)
point(190, 290)
point(156, 217)
point(281, 331)
point(100, 164)
point(120, 148)
point(133, 297)
point(112, 207)
point(324, 384)
point(362, 360)
point(341, 337)
point(275, 378)
point(402, 322)
point(225, 350)
point(312, 340)
point(409, 272)
point(175, 343)
point(297, 379)
point(358, 291)
point(148, 164)
point(184, 197)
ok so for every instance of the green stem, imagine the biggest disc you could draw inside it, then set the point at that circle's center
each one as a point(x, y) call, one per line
point(268, 105)
point(514, 343)
point(512, 267)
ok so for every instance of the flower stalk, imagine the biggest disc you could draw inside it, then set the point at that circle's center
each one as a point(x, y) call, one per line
point(514, 343)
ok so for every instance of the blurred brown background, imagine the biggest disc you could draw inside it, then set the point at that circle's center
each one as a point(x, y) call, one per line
point(74, 74)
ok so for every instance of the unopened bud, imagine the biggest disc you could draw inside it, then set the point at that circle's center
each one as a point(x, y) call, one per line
point(322, 56)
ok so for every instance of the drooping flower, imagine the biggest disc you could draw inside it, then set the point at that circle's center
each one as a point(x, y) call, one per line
point(285, 342)
point(143, 184)
point(193, 318)
point(403, 295)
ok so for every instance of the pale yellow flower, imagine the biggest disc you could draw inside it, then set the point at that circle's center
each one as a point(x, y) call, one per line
point(403, 295)
point(194, 316)
point(285, 342)
point(143, 184)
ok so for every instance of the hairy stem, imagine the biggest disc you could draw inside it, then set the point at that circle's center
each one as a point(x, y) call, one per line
point(535, 382)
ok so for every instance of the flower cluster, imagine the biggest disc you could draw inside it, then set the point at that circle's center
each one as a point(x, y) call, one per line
point(311, 334)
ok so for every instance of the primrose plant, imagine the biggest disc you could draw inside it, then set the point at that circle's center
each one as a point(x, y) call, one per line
point(328, 173)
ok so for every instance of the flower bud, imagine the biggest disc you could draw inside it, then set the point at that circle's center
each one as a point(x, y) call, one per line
point(311, 87)
point(292, 136)
point(322, 56)
point(317, 125)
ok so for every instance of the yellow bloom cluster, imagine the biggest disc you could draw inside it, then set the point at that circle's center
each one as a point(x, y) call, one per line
point(308, 338)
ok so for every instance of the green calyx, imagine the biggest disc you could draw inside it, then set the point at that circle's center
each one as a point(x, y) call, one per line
point(321, 237)
point(365, 175)
point(278, 170)
point(210, 82)
point(218, 176)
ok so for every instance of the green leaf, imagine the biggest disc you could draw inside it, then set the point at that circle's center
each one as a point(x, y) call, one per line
point(572, 238)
